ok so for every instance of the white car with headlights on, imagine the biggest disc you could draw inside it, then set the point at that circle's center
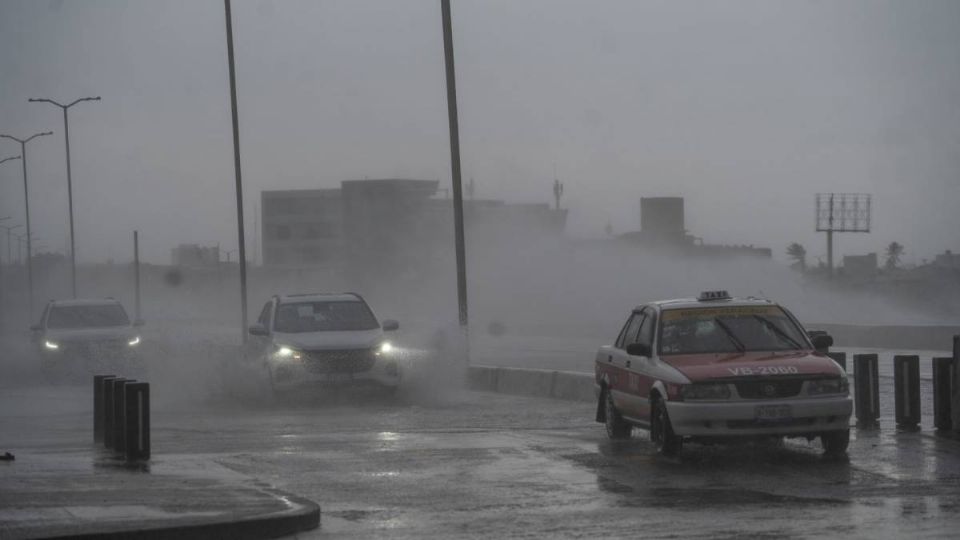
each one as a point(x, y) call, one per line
point(325, 340)
point(88, 336)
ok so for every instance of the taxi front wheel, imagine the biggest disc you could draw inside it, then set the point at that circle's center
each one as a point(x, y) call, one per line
point(835, 442)
point(664, 439)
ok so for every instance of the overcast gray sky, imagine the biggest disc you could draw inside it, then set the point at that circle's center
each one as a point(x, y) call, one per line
point(746, 108)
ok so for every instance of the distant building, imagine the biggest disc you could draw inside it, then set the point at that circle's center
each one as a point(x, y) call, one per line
point(947, 259)
point(860, 266)
point(301, 227)
point(195, 256)
point(662, 220)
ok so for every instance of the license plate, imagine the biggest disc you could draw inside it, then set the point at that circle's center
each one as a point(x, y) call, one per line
point(773, 412)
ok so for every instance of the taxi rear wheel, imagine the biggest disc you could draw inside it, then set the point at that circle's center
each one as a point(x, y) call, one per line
point(617, 427)
point(664, 439)
point(835, 442)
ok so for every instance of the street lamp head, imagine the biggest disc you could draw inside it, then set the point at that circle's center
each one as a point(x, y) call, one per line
point(4, 160)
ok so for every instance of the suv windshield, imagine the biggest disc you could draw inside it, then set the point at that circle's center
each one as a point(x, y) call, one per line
point(94, 316)
point(729, 329)
point(324, 317)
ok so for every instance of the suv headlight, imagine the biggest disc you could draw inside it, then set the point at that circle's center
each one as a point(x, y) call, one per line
point(134, 342)
point(839, 385)
point(51, 345)
point(705, 391)
point(385, 348)
point(286, 353)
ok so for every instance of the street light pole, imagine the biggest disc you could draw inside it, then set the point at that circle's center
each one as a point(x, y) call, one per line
point(66, 137)
point(236, 167)
point(26, 204)
point(10, 228)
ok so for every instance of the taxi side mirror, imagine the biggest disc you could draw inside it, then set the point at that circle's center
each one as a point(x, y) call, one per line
point(390, 325)
point(638, 349)
point(258, 330)
point(821, 342)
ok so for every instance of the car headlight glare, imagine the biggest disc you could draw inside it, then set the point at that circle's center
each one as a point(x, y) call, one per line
point(51, 345)
point(287, 353)
point(705, 391)
point(386, 347)
point(839, 385)
point(134, 342)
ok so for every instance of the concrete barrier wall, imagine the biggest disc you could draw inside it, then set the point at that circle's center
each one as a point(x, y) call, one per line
point(566, 385)
point(934, 338)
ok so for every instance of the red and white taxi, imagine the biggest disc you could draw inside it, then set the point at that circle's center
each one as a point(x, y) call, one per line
point(716, 368)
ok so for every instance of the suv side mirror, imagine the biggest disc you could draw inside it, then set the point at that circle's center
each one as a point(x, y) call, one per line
point(35, 328)
point(638, 349)
point(821, 342)
point(139, 322)
point(390, 325)
point(258, 330)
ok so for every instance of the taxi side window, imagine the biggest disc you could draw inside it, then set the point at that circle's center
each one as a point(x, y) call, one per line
point(645, 335)
point(633, 327)
point(264, 318)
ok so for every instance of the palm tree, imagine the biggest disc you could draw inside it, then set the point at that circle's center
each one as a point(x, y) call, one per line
point(797, 252)
point(894, 251)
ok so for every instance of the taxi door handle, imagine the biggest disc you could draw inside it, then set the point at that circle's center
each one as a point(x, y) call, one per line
point(628, 363)
point(609, 358)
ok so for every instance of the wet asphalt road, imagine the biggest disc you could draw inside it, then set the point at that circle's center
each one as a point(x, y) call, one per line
point(474, 465)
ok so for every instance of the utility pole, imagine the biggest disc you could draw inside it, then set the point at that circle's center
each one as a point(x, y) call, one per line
point(66, 138)
point(557, 192)
point(26, 203)
point(236, 166)
point(136, 275)
point(455, 171)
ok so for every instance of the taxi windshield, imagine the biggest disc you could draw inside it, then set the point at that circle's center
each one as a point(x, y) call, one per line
point(324, 317)
point(729, 330)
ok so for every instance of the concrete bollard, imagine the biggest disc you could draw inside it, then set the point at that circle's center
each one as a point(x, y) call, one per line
point(118, 414)
point(942, 376)
point(840, 358)
point(906, 382)
point(137, 421)
point(866, 381)
point(955, 385)
point(99, 414)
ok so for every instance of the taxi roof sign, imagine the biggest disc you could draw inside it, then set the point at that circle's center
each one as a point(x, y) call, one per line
point(706, 296)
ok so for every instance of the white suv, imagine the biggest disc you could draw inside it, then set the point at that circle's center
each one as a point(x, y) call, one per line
point(325, 340)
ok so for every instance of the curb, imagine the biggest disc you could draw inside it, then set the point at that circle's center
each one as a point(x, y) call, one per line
point(565, 385)
point(304, 516)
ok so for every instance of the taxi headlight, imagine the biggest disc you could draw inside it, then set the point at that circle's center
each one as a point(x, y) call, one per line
point(818, 387)
point(705, 391)
point(51, 345)
point(134, 342)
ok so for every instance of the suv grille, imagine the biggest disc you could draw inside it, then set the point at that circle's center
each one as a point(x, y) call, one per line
point(769, 389)
point(339, 361)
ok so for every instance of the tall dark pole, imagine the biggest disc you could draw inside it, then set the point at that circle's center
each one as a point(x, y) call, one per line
point(455, 167)
point(66, 137)
point(8, 228)
point(236, 167)
point(136, 275)
point(26, 204)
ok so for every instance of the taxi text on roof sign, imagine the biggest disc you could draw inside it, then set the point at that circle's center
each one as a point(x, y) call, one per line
point(710, 313)
point(713, 295)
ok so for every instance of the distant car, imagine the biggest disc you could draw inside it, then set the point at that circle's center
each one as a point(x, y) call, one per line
point(325, 340)
point(717, 368)
point(77, 337)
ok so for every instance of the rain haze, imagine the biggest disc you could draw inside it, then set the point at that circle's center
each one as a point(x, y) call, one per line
point(614, 153)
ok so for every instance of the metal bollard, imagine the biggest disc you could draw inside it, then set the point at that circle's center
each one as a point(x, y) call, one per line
point(906, 383)
point(98, 408)
point(866, 381)
point(955, 385)
point(118, 414)
point(942, 376)
point(840, 358)
point(109, 411)
point(137, 420)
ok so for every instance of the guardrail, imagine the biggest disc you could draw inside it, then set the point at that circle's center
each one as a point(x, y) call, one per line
point(121, 416)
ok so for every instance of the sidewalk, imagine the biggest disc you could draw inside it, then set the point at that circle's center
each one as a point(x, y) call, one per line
point(62, 484)
point(76, 493)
